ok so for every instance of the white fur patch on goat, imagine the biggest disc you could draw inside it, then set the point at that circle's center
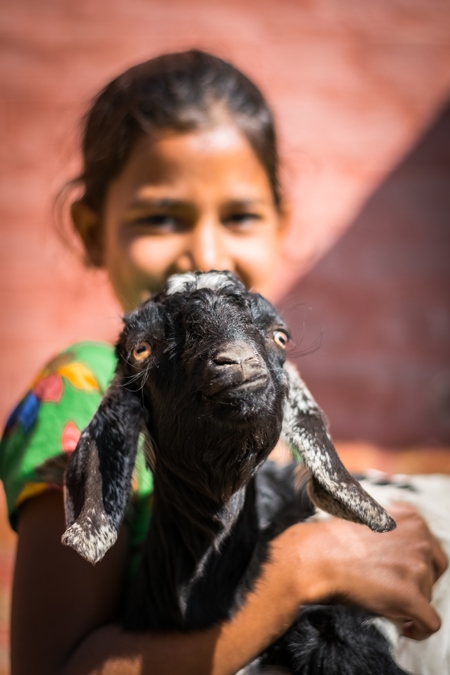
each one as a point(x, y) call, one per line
point(430, 495)
point(215, 281)
point(91, 538)
point(387, 628)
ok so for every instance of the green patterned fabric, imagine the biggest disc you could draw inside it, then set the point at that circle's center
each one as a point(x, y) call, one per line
point(44, 429)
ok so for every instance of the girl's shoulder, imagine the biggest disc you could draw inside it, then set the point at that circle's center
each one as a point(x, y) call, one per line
point(45, 426)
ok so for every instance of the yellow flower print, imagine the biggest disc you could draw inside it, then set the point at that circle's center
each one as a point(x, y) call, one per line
point(79, 376)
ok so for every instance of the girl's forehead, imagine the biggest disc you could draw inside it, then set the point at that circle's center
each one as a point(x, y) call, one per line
point(218, 156)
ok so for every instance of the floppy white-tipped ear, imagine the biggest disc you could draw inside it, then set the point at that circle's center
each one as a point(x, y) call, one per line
point(98, 478)
point(331, 488)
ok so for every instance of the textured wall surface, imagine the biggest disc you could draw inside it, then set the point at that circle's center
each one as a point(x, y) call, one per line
point(360, 93)
point(354, 87)
point(377, 305)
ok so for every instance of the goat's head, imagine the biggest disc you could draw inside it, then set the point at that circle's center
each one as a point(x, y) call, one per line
point(208, 358)
point(200, 371)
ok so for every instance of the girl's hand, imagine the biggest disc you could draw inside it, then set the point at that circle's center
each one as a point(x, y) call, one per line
point(389, 574)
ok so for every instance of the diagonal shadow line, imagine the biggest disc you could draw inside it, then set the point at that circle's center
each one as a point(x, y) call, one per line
point(379, 303)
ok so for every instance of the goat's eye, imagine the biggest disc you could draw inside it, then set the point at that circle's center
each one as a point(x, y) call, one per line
point(142, 351)
point(281, 338)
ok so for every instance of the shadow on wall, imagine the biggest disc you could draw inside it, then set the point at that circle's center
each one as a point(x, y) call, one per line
point(379, 304)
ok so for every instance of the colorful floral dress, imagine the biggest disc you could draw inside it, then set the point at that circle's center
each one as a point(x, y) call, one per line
point(45, 427)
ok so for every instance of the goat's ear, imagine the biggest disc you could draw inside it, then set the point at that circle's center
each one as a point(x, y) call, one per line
point(331, 488)
point(98, 478)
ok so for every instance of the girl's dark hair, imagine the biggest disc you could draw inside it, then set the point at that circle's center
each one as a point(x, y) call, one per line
point(181, 92)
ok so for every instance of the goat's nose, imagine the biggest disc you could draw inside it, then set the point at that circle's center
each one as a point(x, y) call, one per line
point(236, 353)
point(237, 362)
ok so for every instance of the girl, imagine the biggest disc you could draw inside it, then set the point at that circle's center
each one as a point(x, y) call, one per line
point(180, 173)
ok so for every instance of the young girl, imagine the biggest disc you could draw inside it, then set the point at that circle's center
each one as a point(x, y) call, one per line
point(180, 173)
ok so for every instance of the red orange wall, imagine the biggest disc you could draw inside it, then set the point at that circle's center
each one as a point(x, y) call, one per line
point(353, 86)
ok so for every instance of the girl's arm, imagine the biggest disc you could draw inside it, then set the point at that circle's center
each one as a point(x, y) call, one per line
point(64, 609)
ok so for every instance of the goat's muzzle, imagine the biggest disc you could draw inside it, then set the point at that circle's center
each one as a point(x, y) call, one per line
point(235, 368)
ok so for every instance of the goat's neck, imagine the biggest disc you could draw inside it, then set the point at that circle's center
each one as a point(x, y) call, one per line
point(184, 581)
point(203, 519)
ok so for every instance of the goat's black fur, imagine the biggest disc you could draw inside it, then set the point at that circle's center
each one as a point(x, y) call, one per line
point(212, 396)
point(334, 640)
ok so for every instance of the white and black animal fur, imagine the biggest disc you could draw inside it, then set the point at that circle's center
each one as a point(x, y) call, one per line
point(430, 495)
point(201, 373)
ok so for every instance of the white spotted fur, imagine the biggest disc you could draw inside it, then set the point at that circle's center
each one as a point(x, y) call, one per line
point(93, 543)
point(178, 283)
point(431, 497)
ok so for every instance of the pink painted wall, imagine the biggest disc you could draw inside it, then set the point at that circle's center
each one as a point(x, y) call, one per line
point(353, 86)
point(378, 305)
point(359, 91)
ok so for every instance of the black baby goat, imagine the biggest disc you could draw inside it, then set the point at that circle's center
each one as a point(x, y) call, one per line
point(201, 373)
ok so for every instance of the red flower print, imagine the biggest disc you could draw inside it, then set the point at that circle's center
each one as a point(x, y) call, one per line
point(50, 388)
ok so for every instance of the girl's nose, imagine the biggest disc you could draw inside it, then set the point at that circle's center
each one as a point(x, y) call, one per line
point(206, 248)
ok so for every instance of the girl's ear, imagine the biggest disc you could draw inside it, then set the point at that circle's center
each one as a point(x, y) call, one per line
point(98, 478)
point(87, 223)
point(331, 487)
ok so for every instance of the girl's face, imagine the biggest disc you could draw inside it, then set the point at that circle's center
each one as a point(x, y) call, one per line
point(189, 201)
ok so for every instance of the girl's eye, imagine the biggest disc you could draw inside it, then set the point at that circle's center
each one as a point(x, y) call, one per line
point(281, 338)
point(241, 219)
point(142, 351)
point(160, 222)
